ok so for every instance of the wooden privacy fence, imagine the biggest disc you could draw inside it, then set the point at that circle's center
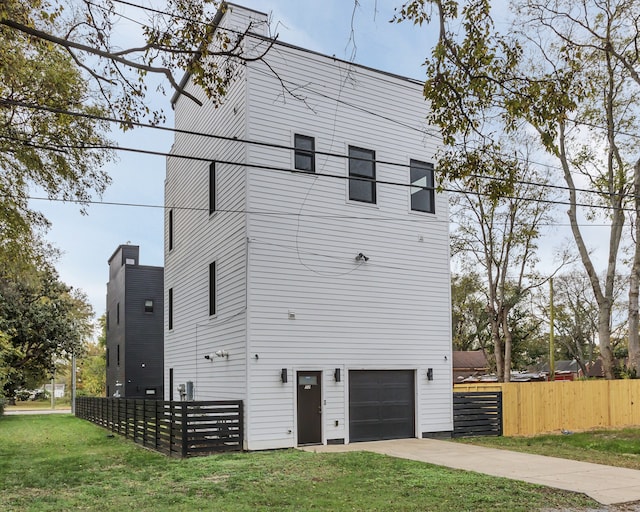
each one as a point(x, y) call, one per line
point(477, 413)
point(530, 408)
point(182, 429)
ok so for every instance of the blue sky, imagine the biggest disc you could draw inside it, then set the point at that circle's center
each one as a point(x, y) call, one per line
point(87, 241)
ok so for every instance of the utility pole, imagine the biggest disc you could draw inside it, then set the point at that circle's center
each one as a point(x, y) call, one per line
point(53, 389)
point(73, 382)
point(552, 355)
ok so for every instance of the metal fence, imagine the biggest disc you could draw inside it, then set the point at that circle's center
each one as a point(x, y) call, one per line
point(477, 414)
point(182, 429)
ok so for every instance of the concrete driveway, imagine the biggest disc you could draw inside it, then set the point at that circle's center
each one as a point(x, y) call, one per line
point(605, 484)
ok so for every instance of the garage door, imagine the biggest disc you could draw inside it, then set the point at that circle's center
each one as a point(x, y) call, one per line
point(381, 405)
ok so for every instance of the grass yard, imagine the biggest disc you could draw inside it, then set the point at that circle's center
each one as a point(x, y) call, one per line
point(58, 462)
point(612, 447)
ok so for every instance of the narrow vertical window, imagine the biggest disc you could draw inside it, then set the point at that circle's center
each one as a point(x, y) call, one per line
point(118, 313)
point(304, 153)
point(422, 187)
point(212, 288)
point(212, 188)
point(170, 308)
point(107, 357)
point(362, 165)
point(118, 354)
point(170, 230)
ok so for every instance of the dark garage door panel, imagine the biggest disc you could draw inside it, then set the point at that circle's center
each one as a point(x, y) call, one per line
point(381, 405)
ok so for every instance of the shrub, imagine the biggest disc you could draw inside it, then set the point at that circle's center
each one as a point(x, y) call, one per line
point(23, 395)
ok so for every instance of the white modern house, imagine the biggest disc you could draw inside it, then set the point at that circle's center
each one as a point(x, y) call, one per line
point(304, 274)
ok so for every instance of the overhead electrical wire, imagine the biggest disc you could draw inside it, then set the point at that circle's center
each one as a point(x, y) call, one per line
point(295, 171)
point(8, 101)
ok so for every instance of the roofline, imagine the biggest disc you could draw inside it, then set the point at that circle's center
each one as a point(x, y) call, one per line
point(218, 18)
point(117, 249)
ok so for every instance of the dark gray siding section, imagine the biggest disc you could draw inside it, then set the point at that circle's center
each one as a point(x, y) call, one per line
point(144, 332)
point(135, 347)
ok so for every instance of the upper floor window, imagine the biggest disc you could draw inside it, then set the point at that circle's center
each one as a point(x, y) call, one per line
point(118, 313)
point(148, 306)
point(212, 188)
point(304, 156)
point(422, 187)
point(212, 288)
point(362, 165)
point(170, 230)
point(170, 315)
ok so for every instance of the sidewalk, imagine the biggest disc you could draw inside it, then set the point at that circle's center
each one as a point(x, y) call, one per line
point(15, 412)
point(607, 485)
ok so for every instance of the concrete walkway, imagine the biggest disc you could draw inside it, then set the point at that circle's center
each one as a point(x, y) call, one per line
point(16, 412)
point(605, 484)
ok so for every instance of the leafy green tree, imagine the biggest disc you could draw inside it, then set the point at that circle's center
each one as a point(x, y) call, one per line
point(42, 320)
point(92, 366)
point(44, 148)
point(470, 320)
point(497, 237)
point(568, 71)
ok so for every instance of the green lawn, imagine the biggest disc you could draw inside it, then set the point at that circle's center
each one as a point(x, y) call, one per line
point(611, 447)
point(58, 462)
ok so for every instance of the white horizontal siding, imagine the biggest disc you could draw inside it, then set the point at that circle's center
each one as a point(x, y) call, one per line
point(199, 239)
point(392, 312)
point(294, 248)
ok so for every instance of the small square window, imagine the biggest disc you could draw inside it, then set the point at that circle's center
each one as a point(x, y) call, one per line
point(148, 306)
point(130, 261)
point(304, 153)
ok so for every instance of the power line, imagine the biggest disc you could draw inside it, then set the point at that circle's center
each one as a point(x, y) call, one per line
point(295, 171)
point(8, 101)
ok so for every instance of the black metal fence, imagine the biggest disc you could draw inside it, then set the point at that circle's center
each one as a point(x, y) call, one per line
point(477, 413)
point(182, 429)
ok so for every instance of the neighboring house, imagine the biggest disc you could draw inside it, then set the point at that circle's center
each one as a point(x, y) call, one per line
point(59, 389)
point(135, 309)
point(320, 299)
point(565, 369)
point(468, 363)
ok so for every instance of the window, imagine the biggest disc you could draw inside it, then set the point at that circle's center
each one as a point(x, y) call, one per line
point(107, 357)
point(212, 288)
point(212, 188)
point(130, 261)
point(170, 230)
point(148, 306)
point(362, 165)
point(304, 156)
point(118, 313)
point(118, 354)
point(108, 315)
point(422, 187)
point(170, 308)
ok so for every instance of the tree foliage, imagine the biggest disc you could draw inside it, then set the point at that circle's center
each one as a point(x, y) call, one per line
point(39, 148)
point(566, 70)
point(92, 366)
point(41, 320)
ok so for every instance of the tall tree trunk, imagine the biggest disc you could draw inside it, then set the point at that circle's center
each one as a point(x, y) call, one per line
point(604, 297)
point(508, 339)
point(634, 281)
point(497, 342)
